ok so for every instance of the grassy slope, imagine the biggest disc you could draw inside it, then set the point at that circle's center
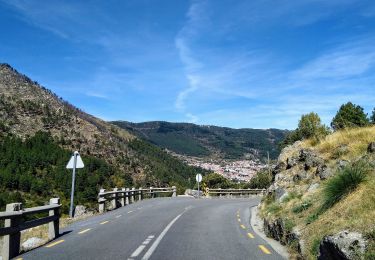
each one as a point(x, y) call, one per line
point(355, 212)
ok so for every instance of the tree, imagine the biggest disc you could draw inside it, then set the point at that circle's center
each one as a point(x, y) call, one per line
point(349, 115)
point(309, 126)
point(372, 118)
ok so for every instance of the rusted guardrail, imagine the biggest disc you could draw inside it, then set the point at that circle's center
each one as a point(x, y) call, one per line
point(234, 192)
point(14, 224)
point(124, 196)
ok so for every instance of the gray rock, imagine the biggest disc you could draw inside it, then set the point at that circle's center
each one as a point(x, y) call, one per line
point(281, 166)
point(371, 147)
point(313, 187)
point(291, 162)
point(302, 175)
point(80, 210)
point(275, 229)
point(279, 193)
point(343, 245)
point(31, 243)
point(342, 163)
point(323, 172)
point(310, 159)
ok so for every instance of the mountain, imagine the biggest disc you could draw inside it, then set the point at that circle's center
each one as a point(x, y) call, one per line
point(39, 131)
point(208, 141)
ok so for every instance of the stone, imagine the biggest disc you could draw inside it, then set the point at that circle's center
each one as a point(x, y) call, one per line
point(313, 187)
point(323, 172)
point(279, 192)
point(81, 210)
point(275, 229)
point(291, 162)
point(302, 175)
point(371, 147)
point(31, 243)
point(281, 166)
point(342, 163)
point(310, 159)
point(343, 245)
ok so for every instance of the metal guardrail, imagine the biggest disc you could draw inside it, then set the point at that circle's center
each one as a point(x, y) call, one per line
point(234, 192)
point(124, 196)
point(14, 224)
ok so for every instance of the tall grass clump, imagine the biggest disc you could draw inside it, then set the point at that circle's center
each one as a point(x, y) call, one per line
point(344, 182)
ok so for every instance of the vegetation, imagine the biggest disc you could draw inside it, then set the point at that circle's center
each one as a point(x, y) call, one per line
point(262, 180)
point(372, 117)
point(349, 115)
point(309, 127)
point(202, 141)
point(344, 182)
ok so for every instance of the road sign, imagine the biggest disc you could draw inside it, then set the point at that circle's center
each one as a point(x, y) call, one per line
point(79, 164)
point(74, 163)
point(198, 177)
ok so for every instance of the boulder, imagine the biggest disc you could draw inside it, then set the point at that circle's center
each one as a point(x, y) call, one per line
point(323, 172)
point(313, 187)
point(280, 193)
point(81, 210)
point(275, 229)
point(281, 166)
point(310, 159)
point(31, 243)
point(302, 175)
point(291, 162)
point(343, 245)
point(342, 163)
point(371, 147)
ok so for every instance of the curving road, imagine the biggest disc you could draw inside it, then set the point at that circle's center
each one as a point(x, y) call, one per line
point(164, 228)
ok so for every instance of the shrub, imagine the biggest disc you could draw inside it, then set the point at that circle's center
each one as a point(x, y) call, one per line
point(349, 115)
point(372, 118)
point(311, 218)
point(302, 207)
point(344, 182)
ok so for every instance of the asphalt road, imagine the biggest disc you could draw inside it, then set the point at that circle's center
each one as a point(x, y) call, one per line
point(164, 228)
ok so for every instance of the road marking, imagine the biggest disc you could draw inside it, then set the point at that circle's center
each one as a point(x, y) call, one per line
point(239, 220)
point(130, 211)
point(118, 216)
point(250, 235)
point(55, 243)
point(19, 258)
point(242, 226)
point(84, 231)
point(159, 238)
point(264, 249)
point(104, 222)
point(138, 251)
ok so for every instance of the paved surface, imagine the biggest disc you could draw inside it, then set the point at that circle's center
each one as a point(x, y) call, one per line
point(165, 228)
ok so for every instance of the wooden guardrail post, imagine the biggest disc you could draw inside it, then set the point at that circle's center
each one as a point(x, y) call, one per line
point(101, 201)
point(122, 199)
point(132, 195)
point(174, 194)
point(114, 198)
point(53, 227)
point(11, 242)
point(127, 196)
point(140, 194)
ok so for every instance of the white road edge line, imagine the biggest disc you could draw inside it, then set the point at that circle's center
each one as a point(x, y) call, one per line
point(152, 248)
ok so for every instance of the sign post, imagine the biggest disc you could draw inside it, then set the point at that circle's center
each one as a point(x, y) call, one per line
point(198, 178)
point(74, 163)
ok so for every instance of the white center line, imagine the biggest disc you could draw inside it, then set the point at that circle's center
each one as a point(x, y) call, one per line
point(159, 238)
point(138, 251)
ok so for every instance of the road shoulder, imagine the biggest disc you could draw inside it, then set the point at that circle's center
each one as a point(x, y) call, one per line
point(257, 225)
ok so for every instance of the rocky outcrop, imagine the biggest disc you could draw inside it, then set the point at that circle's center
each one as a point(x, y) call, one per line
point(310, 159)
point(343, 245)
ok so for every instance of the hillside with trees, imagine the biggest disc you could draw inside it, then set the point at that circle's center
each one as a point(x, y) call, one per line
point(38, 133)
point(208, 141)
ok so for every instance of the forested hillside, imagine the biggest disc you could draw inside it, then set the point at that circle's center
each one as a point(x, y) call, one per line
point(38, 133)
point(208, 141)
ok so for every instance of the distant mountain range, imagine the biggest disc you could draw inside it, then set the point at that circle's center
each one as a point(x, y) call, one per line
point(208, 141)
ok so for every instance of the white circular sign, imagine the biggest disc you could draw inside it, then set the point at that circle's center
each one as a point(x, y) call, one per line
point(198, 177)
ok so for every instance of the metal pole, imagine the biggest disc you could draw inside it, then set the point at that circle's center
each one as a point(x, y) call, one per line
point(73, 181)
point(198, 190)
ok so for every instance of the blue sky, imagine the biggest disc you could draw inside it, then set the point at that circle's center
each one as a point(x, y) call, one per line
point(241, 64)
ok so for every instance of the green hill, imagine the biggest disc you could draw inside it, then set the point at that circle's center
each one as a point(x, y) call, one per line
point(208, 141)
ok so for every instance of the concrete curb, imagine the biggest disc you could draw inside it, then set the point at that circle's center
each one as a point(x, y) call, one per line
point(257, 225)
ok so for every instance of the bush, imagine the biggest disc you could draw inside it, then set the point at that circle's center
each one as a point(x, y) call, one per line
point(372, 118)
point(302, 207)
point(344, 182)
point(349, 115)
point(262, 180)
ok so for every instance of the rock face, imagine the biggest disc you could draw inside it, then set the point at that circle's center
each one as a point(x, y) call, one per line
point(82, 211)
point(343, 245)
point(31, 243)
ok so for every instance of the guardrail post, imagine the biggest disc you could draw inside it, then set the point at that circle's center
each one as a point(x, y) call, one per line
point(114, 198)
point(53, 227)
point(151, 193)
point(174, 194)
point(208, 192)
point(140, 195)
point(132, 196)
point(219, 193)
point(122, 200)
point(101, 201)
point(127, 194)
point(11, 243)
